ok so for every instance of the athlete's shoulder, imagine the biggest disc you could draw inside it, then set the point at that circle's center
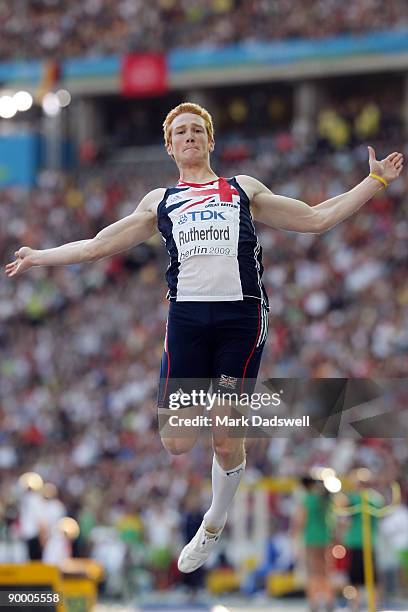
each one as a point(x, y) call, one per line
point(249, 181)
point(251, 185)
point(245, 178)
point(151, 200)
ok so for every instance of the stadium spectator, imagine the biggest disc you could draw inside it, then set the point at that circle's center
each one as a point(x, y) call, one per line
point(56, 547)
point(31, 519)
point(353, 537)
point(312, 524)
point(103, 27)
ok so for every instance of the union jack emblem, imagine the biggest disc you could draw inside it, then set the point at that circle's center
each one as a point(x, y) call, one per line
point(219, 191)
point(229, 382)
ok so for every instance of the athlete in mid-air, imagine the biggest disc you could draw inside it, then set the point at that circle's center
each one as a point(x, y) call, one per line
point(217, 322)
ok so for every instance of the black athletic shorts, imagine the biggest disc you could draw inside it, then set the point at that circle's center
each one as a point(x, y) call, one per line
point(356, 568)
point(212, 342)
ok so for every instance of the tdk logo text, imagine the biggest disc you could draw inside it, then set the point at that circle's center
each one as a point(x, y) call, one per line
point(202, 215)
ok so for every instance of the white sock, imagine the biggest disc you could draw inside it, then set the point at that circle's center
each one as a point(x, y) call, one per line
point(224, 486)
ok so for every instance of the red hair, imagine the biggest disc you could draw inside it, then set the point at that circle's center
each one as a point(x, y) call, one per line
point(187, 107)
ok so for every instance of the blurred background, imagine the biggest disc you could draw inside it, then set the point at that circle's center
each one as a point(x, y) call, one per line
point(297, 90)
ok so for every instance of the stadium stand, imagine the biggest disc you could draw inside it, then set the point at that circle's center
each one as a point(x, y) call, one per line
point(54, 28)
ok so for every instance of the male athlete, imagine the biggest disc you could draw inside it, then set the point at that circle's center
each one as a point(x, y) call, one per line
point(217, 322)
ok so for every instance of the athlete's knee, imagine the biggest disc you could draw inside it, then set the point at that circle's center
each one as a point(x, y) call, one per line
point(229, 449)
point(177, 437)
point(177, 446)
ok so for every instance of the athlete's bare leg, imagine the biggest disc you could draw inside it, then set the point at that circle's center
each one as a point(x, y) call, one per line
point(179, 439)
point(229, 453)
point(228, 440)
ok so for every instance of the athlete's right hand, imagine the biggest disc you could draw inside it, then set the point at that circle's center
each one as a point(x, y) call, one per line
point(23, 261)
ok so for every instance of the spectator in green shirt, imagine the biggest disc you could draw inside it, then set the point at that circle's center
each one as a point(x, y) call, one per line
point(313, 522)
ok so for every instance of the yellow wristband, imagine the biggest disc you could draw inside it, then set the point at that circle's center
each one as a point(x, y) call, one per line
point(378, 178)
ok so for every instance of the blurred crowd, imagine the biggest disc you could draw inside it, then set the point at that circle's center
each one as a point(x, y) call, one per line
point(80, 345)
point(57, 29)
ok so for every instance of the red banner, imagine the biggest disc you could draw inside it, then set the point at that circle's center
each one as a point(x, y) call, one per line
point(144, 74)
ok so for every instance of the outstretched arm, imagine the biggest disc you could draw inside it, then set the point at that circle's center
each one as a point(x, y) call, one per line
point(124, 234)
point(295, 215)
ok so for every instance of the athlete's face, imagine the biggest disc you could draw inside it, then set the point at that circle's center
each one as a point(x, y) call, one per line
point(189, 139)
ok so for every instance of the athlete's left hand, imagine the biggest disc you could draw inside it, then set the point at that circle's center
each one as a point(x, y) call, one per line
point(389, 168)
